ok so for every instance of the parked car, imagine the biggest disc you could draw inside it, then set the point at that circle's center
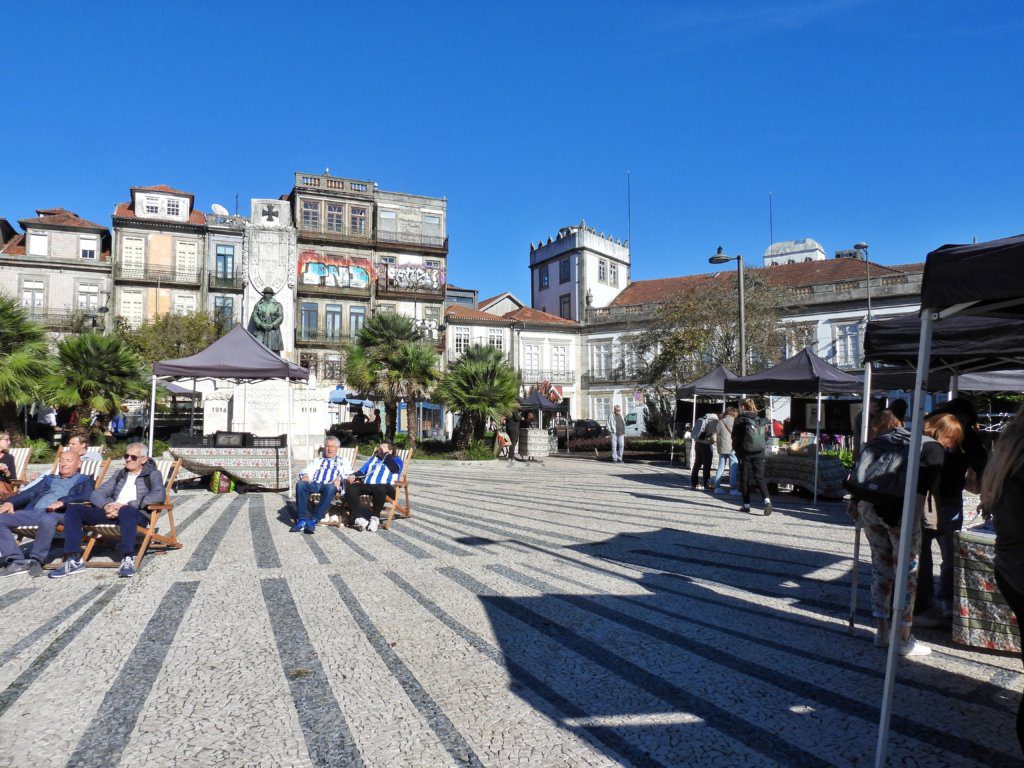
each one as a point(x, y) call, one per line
point(582, 429)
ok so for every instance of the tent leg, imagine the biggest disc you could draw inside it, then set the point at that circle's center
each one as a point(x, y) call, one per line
point(902, 558)
point(817, 447)
point(152, 412)
point(290, 431)
point(864, 425)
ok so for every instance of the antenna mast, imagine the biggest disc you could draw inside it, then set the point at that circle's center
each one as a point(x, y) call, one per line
point(771, 222)
point(629, 214)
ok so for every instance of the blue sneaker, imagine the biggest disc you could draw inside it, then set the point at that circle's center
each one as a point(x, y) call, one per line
point(71, 566)
point(310, 527)
point(127, 569)
point(300, 525)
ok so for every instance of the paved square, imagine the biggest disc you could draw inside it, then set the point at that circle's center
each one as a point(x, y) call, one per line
point(574, 613)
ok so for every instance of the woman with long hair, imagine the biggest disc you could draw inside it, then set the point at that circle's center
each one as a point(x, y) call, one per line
point(1002, 494)
point(7, 469)
point(884, 539)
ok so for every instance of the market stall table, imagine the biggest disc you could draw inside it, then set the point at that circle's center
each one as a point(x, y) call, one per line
point(263, 467)
point(981, 617)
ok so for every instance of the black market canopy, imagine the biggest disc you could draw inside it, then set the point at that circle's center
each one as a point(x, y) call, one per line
point(976, 279)
point(536, 401)
point(804, 372)
point(236, 356)
point(711, 384)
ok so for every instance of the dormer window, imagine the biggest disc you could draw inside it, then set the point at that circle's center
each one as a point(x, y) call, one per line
point(173, 207)
point(87, 246)
point(151, 205)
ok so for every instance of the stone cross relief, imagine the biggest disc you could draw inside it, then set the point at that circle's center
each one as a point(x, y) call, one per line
point(270, 213)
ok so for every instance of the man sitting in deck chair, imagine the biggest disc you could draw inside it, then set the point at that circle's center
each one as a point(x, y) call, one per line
point(123, 498)
point(376, 478)
point(79, 445)
point(41, 505)
point(324, 476)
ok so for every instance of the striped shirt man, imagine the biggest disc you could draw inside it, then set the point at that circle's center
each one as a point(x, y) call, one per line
point(324, 470)
point(381, 470)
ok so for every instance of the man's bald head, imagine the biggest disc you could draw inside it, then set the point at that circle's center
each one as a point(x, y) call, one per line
point(69, 463)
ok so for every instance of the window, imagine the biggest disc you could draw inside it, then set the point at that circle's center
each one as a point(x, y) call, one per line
point(387, 221)
point(308, 313)
point(495, 338)
point(431, 226)
point(432, 263)
point(545, 278)
point(391, 260)
point(36, 244)
point(151, 205)
point(602, 271)
point(186, 261)
point(461, 336)
point(602, 408)
point(559, 359)
point(133, 256)
point(333, 368)
point(563, 270)
point(601, 359)
point(224, 311)
point(847, 344)
point(32, 294)
point(184, 304)
point(88, 296)
point(387, 307)
point(87, 246)
point(131, 306)
point(310, 362)
point(531, 359)
point(332, 321)
point(613, 275)
point(225, 262)
point(335, 217)
point(356, 318)
point(310, 214)
point(357, 220)
point(432, 312)
point(173, 207)
point(565, 306)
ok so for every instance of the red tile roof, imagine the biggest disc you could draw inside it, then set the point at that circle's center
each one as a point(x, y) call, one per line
point(655, 291)
point(462, 312)
point(528, 315)
point(484, 304)
point(127, 211)
point(162, 188)
point(14, 247)
point(60, 217)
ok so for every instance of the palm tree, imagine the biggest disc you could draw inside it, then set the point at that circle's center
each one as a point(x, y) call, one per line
point(389, 362)
point(97, 373)
point(480, 386)
point(25, 360)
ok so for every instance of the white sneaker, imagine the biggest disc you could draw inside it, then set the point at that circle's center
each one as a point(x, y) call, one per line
point(374, 524)
point(913, 648)
point(361, 523)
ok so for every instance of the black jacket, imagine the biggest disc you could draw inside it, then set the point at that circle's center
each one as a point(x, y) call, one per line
point(738, 428)
point(149, 487)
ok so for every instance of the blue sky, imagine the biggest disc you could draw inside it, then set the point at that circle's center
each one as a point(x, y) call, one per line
point(895, 123)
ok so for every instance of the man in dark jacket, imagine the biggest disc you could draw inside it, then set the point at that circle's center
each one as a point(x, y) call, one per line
point(41, 505)
point(121, 498)
point(512, 422)
point(748, 443)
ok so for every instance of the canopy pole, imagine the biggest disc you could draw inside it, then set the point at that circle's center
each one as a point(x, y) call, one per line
point(152, 411)
point(865, 417)
point(290, 431)
point(903, 556)
point(817, 447)
point(954, 386)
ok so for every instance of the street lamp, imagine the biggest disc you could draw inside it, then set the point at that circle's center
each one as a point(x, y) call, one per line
point(721, 258)
point(863, 248)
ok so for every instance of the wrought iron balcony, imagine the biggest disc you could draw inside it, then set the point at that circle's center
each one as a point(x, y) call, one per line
point(318, 337)
point(617, 376)
point(413, 238)
point(334, 232)
point(160, 274)
point(421, 281)
point(225, 282)
point(323, 288)
point(530, 376)
point(59, 320)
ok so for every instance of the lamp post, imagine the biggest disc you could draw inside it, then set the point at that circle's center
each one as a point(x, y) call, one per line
point(863, 248)
point(721, 258)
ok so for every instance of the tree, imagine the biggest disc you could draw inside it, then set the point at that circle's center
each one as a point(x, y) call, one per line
point(96, 373)
point(696, 330)
point(171, 336)
point(480, 386)
point(389, 362)
point(25, 360)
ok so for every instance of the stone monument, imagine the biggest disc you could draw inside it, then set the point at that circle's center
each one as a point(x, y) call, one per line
point(269, 262)
point(266, 319)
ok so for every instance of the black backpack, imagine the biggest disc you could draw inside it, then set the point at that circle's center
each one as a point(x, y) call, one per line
point(752, 439)
point(880, 474)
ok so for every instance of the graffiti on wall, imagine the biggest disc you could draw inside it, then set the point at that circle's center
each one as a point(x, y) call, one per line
point(334, 271)
point(415, 278)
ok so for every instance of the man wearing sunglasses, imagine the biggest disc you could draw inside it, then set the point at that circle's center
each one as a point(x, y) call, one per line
point(119, 499)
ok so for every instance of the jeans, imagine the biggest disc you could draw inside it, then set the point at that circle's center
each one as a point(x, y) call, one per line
point(752, 470)
point(302, 492)
point(47, 522)
point(702, 454)
point(734, 470)
point(618, 447)
point(951, 520)
point(376, 491)
point(1016, 602)
point(78, 515)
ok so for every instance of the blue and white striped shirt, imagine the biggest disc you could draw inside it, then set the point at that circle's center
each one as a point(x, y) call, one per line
point(376, 471)
point(324, 470)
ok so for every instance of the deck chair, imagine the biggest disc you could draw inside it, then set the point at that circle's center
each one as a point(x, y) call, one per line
point(151, 536)
point(391, 505)
point(343, 453)
point(21, 457)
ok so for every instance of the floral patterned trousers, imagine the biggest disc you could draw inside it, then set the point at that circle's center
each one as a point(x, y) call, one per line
point(885, 542)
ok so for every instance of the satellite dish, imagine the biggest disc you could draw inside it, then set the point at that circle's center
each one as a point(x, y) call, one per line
point(219, 209)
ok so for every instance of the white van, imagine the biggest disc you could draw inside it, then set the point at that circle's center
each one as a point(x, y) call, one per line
point(636, 422)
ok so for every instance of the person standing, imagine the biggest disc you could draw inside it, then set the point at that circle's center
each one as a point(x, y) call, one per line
point(704, 434)
point(512, 422)
point(1002, 494)
point(748, 443)
point(524, 445)
point(617, 432)
point(8, 471)
point(726, 454)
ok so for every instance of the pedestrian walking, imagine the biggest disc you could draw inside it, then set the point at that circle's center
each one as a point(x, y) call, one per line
point(512, 422)
point(748, 443)
point(704, 434)
point(617, 431)
point(726, 454)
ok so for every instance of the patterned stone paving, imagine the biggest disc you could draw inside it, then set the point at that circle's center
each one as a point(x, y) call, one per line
point(573, 613)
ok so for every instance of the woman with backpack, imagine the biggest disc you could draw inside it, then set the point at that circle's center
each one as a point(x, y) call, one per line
point(1002, 494)
point(748, 444)
point(882, 518)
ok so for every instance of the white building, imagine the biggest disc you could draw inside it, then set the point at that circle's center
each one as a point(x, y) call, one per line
point(793, 252)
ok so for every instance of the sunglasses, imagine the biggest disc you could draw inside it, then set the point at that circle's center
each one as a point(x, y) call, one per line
point(130, 457)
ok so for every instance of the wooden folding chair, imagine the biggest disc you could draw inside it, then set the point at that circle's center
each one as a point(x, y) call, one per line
point(151, 536)
point(338, 500)
point(21, 458)
point(401, 487)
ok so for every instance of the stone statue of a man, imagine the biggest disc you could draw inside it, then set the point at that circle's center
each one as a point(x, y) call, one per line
point(266, 319)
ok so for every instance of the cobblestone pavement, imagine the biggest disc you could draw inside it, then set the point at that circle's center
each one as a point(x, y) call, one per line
point(574, 613)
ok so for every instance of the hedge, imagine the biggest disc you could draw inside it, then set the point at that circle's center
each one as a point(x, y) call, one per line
point(637, 444)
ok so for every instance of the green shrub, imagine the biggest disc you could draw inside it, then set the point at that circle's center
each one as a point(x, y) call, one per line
point(401, 440)
point(479, 450)
point(42, 451)
point(638, 444)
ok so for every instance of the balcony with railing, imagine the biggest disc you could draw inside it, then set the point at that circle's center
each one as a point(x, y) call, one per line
point(433, 242)
point(531, 376)
point(231, 281)
point(157, 274)
point(318, 337)
point(324, 182)
point(616, 376)
point(334, 232)
point(58, 320)
point(413, 282)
